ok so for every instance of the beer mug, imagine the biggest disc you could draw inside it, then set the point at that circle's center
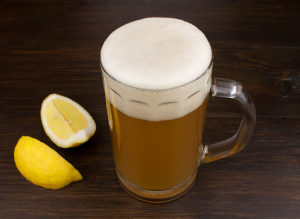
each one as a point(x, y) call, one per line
point(157, 77)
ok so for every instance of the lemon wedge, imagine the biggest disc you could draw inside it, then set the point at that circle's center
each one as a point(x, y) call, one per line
point(43, 166)
point(65, 122)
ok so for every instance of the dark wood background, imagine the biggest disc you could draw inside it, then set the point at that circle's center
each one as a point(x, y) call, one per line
point(53, 46)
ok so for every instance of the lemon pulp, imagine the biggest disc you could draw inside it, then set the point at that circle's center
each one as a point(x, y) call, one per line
point(64, 119)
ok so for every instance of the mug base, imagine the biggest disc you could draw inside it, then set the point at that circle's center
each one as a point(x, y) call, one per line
point(157, 196)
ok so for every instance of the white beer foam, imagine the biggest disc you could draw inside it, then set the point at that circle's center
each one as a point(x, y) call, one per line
point(165, 64)
point(156, 53)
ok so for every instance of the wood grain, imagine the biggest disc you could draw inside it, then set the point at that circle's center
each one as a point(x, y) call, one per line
point(53, 46)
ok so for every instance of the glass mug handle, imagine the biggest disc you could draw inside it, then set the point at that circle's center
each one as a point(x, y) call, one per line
point(233, 90)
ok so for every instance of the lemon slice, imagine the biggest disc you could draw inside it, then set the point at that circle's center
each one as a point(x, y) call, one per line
point(66, 122)
point(43, 166)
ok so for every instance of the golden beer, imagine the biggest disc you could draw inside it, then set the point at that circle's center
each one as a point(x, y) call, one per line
point(157, 155)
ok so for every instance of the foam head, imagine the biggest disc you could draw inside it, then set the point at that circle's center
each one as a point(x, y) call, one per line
point(155, 54)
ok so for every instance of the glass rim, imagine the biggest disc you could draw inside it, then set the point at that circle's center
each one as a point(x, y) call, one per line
point(159, 90)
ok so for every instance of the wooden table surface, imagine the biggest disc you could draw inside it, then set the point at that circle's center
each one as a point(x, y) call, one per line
point(53, 46)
